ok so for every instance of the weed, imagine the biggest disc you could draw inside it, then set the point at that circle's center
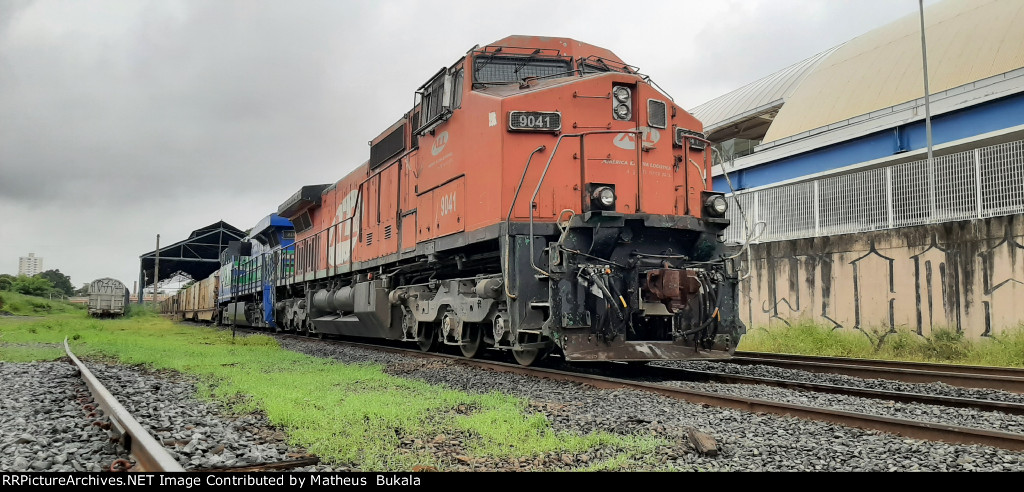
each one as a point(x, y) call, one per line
point(943, 345)
point(344, 413)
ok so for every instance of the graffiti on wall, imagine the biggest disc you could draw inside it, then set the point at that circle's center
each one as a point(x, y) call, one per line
point(967, 277)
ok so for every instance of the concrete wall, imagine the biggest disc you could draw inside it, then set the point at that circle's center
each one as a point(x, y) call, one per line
point(967, 276)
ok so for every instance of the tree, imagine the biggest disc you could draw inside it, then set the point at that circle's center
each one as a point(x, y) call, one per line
point(61, 282)
point(32, 286)
point(84, 291)
point(6, 281)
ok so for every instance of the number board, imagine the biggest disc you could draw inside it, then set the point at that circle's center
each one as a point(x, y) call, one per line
point(535, 121)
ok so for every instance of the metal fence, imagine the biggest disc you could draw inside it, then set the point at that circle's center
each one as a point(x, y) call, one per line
point(973, 184)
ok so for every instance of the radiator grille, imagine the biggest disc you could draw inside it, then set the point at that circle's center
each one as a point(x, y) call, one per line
point(657, 113)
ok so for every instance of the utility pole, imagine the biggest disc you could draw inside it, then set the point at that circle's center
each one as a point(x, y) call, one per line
point(156, 270)
point(927, 119)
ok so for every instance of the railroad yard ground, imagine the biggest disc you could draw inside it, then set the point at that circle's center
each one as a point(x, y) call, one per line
point(218, 400)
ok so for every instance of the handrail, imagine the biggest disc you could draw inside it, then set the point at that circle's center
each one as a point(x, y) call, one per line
point(638, 134)
point(508, 219)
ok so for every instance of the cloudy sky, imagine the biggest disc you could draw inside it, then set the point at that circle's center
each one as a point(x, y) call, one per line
point(122, 119)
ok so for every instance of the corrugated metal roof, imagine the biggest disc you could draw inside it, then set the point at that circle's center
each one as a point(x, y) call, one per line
point(968, 40)
point(766, 93)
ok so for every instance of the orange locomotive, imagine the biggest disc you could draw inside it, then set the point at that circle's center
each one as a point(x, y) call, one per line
point(541, 195)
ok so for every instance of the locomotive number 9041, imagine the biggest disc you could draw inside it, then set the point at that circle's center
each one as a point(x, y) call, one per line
point(535, 121)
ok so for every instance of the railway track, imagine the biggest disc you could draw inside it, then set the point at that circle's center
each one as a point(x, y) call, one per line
point(898, 396)
point(904, 427)
point(1004, 379)
point(149, 455)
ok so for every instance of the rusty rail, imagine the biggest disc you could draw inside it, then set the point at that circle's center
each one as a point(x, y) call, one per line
point(149, 454)
point(900, 396)
point(909, 372)
point(931, 431)
point(898, 364)
point(920, 430)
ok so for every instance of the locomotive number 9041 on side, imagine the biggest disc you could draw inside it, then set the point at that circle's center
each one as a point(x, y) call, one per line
point(541, 195)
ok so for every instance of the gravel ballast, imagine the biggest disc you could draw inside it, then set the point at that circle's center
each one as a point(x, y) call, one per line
point(44, 427)
point(751, 442)
point(201, 434)
point(198, 434)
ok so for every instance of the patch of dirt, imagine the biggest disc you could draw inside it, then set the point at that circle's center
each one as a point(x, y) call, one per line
point(400, 368)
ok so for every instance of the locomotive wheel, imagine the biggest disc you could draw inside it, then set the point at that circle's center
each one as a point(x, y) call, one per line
point(427, 338)
point(475, 343)
point(526, 357)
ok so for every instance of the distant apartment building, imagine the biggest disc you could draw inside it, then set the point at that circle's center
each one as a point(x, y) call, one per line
point(30, 265)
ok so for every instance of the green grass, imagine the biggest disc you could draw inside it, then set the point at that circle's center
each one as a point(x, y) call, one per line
point(343, 413)
point(948, 346)
point(30, 353)
point(22, 305)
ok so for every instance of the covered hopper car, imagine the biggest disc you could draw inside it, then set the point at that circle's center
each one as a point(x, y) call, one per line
point(108, 297)
point(540, 196)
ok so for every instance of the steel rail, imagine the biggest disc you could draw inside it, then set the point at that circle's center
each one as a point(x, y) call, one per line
point(149, 454)
point(892, 371)
point(895, 364)
point(899, 396)
point(931, 431)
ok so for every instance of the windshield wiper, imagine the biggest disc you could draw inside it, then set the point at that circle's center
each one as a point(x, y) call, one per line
point(526, 60)
point(477, 68)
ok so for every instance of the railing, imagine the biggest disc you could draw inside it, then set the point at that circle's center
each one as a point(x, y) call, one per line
point(974, 184)
point(249, 274)
point(338, 250)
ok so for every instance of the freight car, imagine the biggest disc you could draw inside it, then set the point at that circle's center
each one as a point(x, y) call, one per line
point(541, 195)
point(108, 297)
point(197, 302)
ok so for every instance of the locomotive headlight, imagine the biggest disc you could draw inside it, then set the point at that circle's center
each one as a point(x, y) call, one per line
point(716, 205)
point(622, 103)
point(604, 197)
point(621, 94)
point(622, 112)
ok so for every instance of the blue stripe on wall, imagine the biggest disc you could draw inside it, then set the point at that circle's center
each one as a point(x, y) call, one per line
point(964, 123)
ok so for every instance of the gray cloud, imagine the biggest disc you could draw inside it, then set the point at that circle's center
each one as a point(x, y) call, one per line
point(125, 118)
